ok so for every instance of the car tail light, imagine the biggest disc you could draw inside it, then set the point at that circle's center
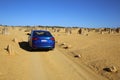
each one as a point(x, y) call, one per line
point(52, 38)
point(34, 38)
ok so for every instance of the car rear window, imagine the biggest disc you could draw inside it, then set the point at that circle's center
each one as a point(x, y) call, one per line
point(42, 34)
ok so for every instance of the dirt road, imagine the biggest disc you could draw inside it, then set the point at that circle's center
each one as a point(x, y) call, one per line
point(51, 65)
point(39, 65)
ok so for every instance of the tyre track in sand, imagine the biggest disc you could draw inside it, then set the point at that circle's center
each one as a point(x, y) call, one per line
point(51, 65)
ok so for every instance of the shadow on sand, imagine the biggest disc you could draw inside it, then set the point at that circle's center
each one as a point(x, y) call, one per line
point(24, 45)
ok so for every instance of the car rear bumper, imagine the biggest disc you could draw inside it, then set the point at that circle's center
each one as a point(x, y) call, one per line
point(43, 47)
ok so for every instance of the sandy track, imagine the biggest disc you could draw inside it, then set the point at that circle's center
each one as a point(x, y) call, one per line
point(40, 65)
point(51, 65)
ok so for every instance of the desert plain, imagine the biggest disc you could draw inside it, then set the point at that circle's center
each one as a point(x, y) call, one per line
point(79, 54)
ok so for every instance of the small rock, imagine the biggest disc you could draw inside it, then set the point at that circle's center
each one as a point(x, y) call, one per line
point(10, 49)
point(111, 69)
point(77, 56)
point(15, 40)
point(63, 44)
point(66, 46)
point(56, 41)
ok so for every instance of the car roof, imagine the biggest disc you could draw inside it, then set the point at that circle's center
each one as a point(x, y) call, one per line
point(40, 30)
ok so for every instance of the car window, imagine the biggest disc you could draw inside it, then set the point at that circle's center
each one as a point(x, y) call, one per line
point(42, 34)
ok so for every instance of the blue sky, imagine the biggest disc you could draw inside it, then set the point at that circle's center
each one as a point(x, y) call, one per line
point(69, 13)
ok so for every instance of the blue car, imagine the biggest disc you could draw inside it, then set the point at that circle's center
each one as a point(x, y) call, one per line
point(41, 39)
